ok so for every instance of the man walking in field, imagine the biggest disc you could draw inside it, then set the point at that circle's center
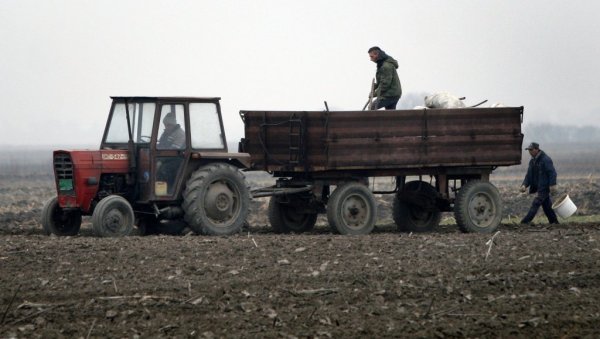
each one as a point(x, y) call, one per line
point(387, 88)
point(541, 179)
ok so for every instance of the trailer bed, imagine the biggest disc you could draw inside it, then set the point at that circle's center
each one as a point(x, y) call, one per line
point(287, 143)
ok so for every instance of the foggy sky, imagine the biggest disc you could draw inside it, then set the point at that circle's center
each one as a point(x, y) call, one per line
point(61, 60)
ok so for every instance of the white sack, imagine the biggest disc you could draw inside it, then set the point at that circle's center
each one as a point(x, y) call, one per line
point(443, 100)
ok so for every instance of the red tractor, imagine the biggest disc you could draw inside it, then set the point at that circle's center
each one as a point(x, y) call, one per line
point(163, 165)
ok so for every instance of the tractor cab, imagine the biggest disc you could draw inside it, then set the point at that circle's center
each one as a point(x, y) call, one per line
point(161, 135)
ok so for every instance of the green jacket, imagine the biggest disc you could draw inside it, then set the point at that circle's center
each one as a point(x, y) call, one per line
point(388, 83)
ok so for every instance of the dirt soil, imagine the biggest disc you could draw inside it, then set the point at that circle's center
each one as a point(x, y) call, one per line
point(537, 281)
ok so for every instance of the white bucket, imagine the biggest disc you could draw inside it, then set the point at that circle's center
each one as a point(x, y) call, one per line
point(564, 207)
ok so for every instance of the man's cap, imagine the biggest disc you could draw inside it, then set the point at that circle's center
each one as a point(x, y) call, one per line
point(533, 145)
point(170, 119)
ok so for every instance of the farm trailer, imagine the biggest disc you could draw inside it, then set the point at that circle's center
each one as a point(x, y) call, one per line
point(310, 152)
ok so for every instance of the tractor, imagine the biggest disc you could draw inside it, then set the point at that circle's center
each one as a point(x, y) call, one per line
point(163, 165)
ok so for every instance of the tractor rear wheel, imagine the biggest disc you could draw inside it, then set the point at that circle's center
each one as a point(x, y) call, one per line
point(286, 218)
point(351, 209)
point(478, 207)
point(216, 200)
point(59, 222)
point(113, 217)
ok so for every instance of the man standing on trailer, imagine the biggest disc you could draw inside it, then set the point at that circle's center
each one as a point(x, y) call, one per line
point(387, 88)
point(541, 179)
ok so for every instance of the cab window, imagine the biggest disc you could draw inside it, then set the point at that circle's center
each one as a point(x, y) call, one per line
point(204, 121)
point(141, 117)
point(172, 132)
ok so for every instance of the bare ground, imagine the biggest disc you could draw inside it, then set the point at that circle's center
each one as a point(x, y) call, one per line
point(528, 282)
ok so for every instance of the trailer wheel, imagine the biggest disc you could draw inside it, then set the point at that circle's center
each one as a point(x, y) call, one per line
point(216, 200)
point(478, 208)
point(113, 217)
point(351, 209)
point(412, 217)
point(285, 218)
point(59, 222)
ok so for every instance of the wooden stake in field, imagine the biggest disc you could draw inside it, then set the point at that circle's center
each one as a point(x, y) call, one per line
point(490, 243)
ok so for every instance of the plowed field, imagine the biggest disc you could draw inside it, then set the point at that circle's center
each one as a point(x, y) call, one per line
point(537, 281)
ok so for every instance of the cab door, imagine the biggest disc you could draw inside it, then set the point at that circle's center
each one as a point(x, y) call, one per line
point(170, 149)
point(138, 127)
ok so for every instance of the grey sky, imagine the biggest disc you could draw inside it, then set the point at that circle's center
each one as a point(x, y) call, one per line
point(61, 60)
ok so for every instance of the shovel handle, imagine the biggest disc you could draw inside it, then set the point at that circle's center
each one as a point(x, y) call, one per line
point(371, 94)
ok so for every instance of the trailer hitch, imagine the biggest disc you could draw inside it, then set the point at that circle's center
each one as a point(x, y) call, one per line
point(169, 212)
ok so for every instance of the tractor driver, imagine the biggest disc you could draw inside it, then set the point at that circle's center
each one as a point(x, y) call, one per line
point(173, 137)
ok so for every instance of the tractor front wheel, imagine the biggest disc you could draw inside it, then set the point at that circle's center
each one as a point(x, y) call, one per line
point(59, 222)
point(113, 217)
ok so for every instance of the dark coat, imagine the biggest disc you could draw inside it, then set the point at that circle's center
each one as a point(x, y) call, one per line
point(388, 82)
point(172, 138)
point(540, 173)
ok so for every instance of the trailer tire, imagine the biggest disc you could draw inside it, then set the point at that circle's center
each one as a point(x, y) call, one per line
point(413, 218)
point(216, 200)
point(284, 218)
point(113, 217)
point(58, 222)
point(478, 207)
point(351, 209)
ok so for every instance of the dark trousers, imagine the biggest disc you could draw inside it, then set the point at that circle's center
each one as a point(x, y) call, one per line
point(541, 199)
point(388, 103)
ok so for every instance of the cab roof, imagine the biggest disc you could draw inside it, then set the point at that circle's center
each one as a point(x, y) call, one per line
point(151, 98)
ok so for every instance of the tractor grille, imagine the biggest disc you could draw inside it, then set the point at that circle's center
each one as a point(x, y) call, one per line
point(63, 166)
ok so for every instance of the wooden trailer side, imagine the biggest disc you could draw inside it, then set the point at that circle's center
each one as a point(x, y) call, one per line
point(355, 140)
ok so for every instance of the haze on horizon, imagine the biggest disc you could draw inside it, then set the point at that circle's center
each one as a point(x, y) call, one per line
point(63, 59)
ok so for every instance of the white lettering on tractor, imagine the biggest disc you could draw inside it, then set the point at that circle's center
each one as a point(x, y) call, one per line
point(114, 156)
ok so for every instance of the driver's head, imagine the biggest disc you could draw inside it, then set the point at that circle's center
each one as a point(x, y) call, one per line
point(170, 120)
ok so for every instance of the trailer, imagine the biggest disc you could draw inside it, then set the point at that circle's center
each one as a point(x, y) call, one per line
point(323, 161)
